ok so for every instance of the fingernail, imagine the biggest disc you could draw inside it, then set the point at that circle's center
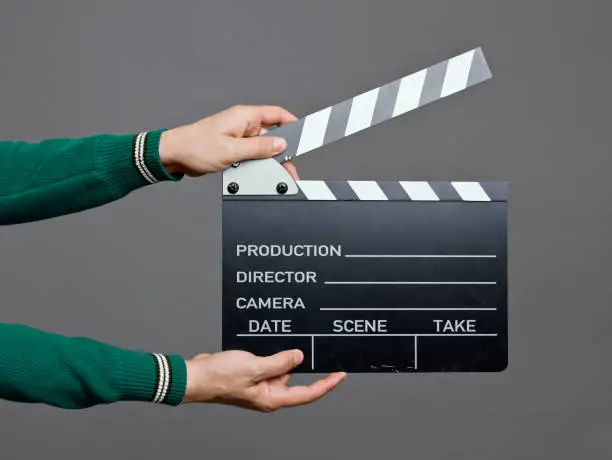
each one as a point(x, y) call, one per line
point(299, 355)
point(279, 145)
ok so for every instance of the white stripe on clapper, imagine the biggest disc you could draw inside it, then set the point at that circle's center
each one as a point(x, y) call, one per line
point(471, 191)
point(419, 191)
point(368, 190)
point(316, 190)
point(362, 110)
point(313, 132)
point(409, 93)
point(457, 73)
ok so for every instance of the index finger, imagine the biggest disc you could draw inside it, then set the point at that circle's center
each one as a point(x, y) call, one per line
point(270, 115)
point(278, 364)
point(299, 395)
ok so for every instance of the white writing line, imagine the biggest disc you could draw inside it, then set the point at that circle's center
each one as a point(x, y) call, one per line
point(312, 352)
point(417, 283)
point(423, 256)
point(365, 335)
point(415, 353)
point(408, 309)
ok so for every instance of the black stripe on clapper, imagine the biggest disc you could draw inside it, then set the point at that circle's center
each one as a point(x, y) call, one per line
point(342, 191)
point(497, 191)
point(434, 79)
point(480, 69)
point(338, 120)
point(385, 103)
point(445, 191)
point(292, 134)
point(394, 191)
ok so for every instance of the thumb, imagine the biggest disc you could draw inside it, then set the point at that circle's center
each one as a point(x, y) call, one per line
point(279, 364)
point(257, 147)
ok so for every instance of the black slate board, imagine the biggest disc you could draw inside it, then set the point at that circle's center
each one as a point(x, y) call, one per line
point(436, 323)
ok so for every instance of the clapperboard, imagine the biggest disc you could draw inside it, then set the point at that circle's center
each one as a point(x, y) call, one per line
point(367, 276)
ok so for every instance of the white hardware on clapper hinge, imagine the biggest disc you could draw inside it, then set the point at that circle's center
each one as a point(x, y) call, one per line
point(258, 177)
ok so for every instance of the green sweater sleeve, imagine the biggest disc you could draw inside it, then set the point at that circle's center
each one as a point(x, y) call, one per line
point(62, 176)
point(74, 372)
point(53, 178)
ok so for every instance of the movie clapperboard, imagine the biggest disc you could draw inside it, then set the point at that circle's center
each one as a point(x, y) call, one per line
point(367, 276)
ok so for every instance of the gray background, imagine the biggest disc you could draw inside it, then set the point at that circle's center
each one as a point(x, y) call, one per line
point(145, 272)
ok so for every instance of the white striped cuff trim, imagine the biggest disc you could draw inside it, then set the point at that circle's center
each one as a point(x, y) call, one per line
point(139, 158)
point(165, 389)
point(163, 378)
point(471, 191)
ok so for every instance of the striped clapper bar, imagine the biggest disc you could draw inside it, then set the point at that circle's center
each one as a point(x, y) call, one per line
point(380, 104)
point(370, 276)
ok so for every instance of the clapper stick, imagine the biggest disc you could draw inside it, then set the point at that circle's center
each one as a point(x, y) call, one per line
point(383, 103)
point(367, 276)
point(353, 115)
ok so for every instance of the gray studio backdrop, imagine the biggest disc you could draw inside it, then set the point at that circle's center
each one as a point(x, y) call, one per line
point(145, 272)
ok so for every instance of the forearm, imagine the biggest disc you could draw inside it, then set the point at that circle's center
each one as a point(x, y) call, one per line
point(75, 372)
point(62, 176)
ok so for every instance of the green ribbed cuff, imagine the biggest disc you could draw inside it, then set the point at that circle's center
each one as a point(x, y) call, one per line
point(153, 160)
point(127, 162)
point(136, 376)
point(151, 377)
point(176, 392)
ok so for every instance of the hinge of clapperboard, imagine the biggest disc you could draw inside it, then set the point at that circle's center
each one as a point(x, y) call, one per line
point(268, 177)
